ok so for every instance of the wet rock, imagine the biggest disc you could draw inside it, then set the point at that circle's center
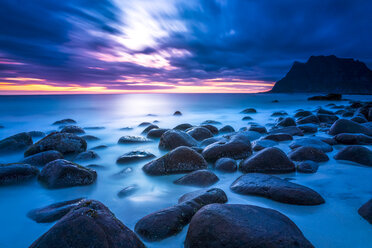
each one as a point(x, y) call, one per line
point(177, 113)
point(278, 137)
point(308, 128)
point(308, 153)
point(287, 122)
point(126, 128)
point(249, 111)
point(302, 113)
point(348, 113)
point(213, 129)
point(329, 141)
point(61, 173)
point(128, 139)
point(308, 119)
point(17, 173)
point(294, 131)
point(276, 189)
point(227, 129)
point(358, 154)
point(330, 119)
point(64, 122)
point(86, 156)
point(312, 142)
point(259, 145)
point(144, 124)
point(173, 138)
point(359, 119)
point(353, 139)
point(212, 140)
point(307, 167)
point(212, 122)
point(36, 134)
point(42, 158)
point(329, 97)
point(156, 133)
point(54, 211)
point(90, 224)
point(269, 160)
point(15, 143)
point(183, 126)
point(247, 118)
point(199, 178)
point(348, 126)
point(72, 129)
point(235, 225)
point(226, 165)
point(134, 156)
point(257, 128)
point(100, 147)
point(279, 113)
point(366, 211)
point(200, 133)
point(127, 191)
point(65, 143)
point(324, 111)
point(148, 128)
point(180, 160)
point(237, 146)
point(90, 138)
point(170, 221)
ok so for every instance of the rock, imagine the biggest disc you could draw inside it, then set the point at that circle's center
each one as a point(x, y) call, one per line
point(127, 191)
point(64, 122)
point(173, 138)
point(100, 147)
point(72, 129)
point(226, 165)
point(199, 178)
point(312, 142)
point(200, 133)
point(329, 141)
point(134, 156)
point(329, 97)
point(15, 143)
point(353, 139)
point(90, 138)
point(42, 158)
point(330, 119)
point(90, 224)
point(180, 160)
point(247, 118)
point(294, 131)
point(257, 128)
point(86, 156)
point(278, 137)
point(237, 146)
point(128, 139)
point(144, 124)
point(213, 129)
point(156, 133)
point(61, 173)
point(183, 126)
point(148, 128)
point(279, 113)
point(307, 167)
point(276, 189)
point(308, 153)
point(126, 128)
point(235, 225)
point(249, 111)
point(17, 173)
point(347, 113)
point(357, 154)
point(177, 113)
point(259, 145)
point(308, 128)
point(94, 128)
point(348, 126)
point(54, 211)
point(65, 143)
point(324, 111)
point(302, 113)
point(170, 221)
point(287, 122)
point(36, 134)
point(269, 160)
point(308, 119)
point(359, 119)
point(366, 211)
point(212, 122)
point(227, 129)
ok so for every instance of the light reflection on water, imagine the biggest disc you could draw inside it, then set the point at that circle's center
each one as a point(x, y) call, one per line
point(335, 224)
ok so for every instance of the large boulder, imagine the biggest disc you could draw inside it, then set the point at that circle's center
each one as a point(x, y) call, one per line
point(134, 156)
point(287, 122)
point(353, 139)
point(42, 158)
point(65, 143)
point(357, 154)
point(308, 119)
point(72, 129)
point(170, 221)
point(213, 129)
point(312, 142)
point(330, 119)
point(149, 128)
point(199, 178)
point(15, 143)
point(183, 126)
point(200, 133)
point(278, 137)
point(156, 133)
point(348, 126)
point(64, 122)
point(61, 173)
point(259, 145)
point(180, 160)
point(235, 225)
point(275, 188)
point(269, 160)
point(174, 138)
point(294, 131)
point(226, 165)
point(366, 211)
point(308, 128)
point(90, 224)
point(307, 167)
point(86, 156)
point(304, 153)
point(227, 129)
point(17, 173)
point(129, 139)
point(258, 128)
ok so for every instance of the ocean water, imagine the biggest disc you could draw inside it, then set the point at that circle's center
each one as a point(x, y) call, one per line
point(344, 186)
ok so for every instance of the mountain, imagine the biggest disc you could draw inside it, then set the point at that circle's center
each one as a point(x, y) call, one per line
point(327, 74)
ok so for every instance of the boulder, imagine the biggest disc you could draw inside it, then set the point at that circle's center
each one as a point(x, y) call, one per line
point(64, 122)
point(324, 111)
point(308, 128)
point(213, 129)
point(312, 142)
point(90, 224)
point(348, 126)
point(72, 129)
point(174, 138)
point(199, 178)
point(148, 128)
point(353, 139)
point(227, 129)
point(200, 133)
point(279, 113)
point(276, 189)
point(308, 119)
point(128, 139)
point(17, 173)
point(65, 143)
point(303, 153)
point(86, 156)
point(366, 211)
point(278, 137)
point(15, 143)
point(90, 138)
point(36, 134)
point(287, 122)
point(249, 111)
point(134, 156)
point(294, 131)
point(183, 126)
point(235, 225)
point(259, 145)
point(257, 128)
point(156, 133)
point(247, 118)
point(307, 167)
point(226, 165)
point(324, 118)
point(213, 122)
point(127, 191)
point(61, 173)
point(269, 160)
point(358, 154)
point(180, 160)
point(177, 113)
point(144, 124)
point(42, 158)
point(303, 113)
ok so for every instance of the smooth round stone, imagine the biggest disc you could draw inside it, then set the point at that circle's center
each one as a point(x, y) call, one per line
point(15, 143)
point(279, 113)
point(259, 145)
point(307, 167)
point(134, 156)
point(278, 137)
point(199, 178)
point(72, 129)
point(86, 156)
point(90, 137)
point(42, 158)
point(200, 133)
point(227, 129)
point(17, 173)
point(172, 139)
point(304, 153)
point(308, 119)
point(312, 142)
point(156, 133)
point(358, 154)
point(308, 128)
point(249, 111)
point(177, 113)
point(348, 126)
point(226, 165)
point(36, 134)
point(294, 131)
point(353, 139)
point(258, 128)
point(213, 129)
point(64, 122)
point(183, 126)
point(287, 122)
point(148, 128)
point(128, 139)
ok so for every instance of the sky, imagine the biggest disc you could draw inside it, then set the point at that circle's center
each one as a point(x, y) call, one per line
point(171, 46)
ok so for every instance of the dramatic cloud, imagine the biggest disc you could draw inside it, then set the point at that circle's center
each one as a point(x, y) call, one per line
point(171, 45)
